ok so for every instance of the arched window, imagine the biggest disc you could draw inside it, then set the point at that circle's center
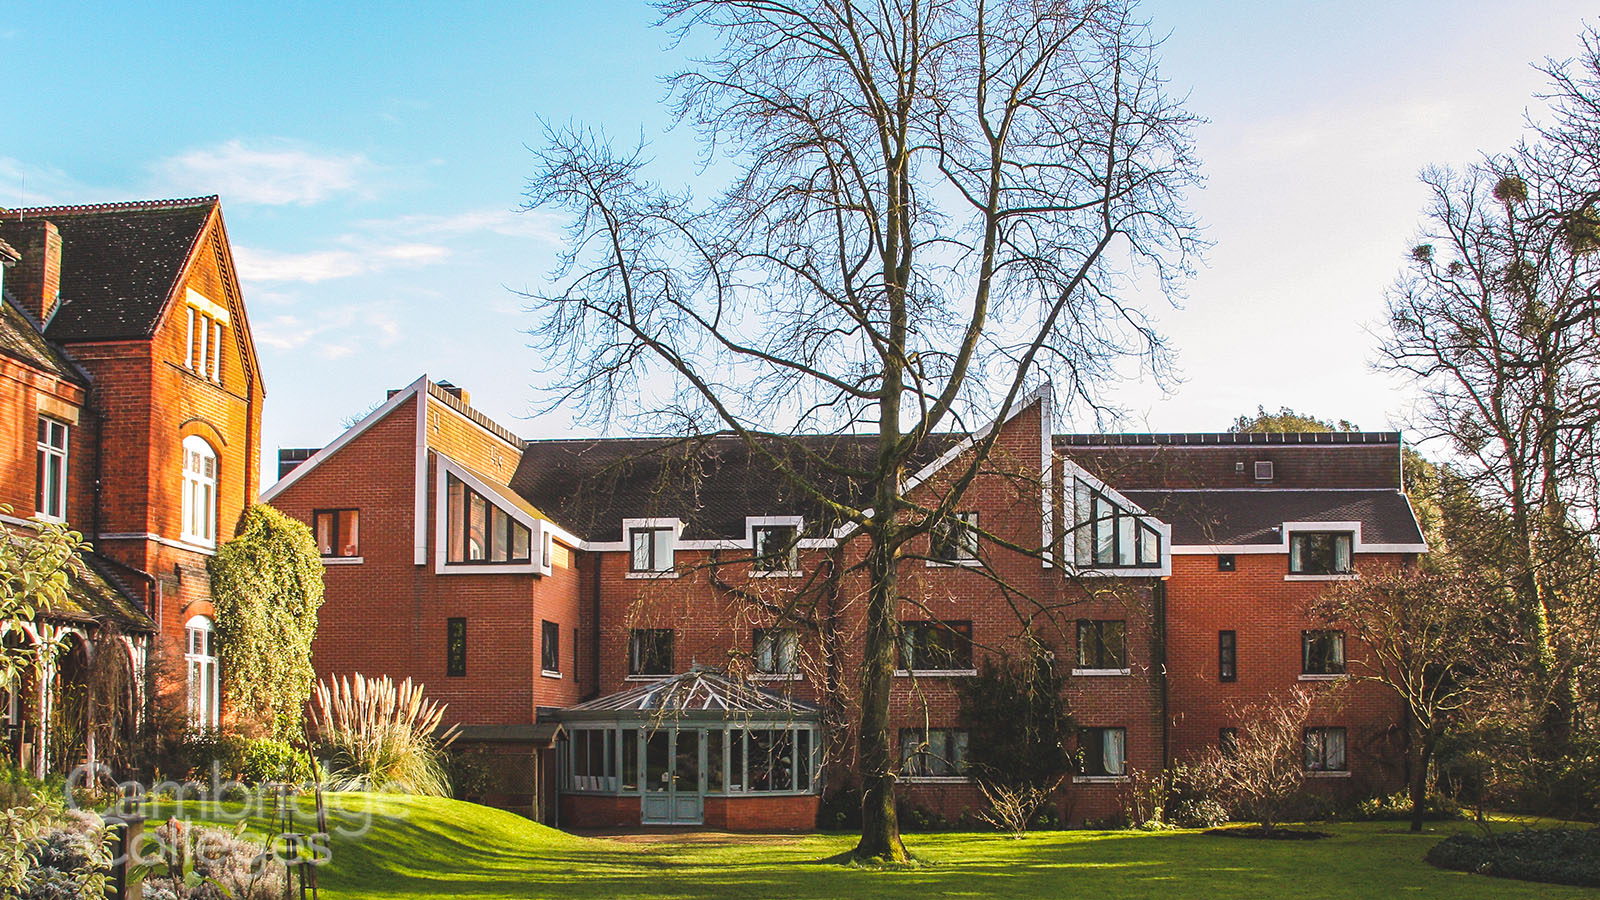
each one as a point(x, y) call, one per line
point(205, 683)
point(199, 491)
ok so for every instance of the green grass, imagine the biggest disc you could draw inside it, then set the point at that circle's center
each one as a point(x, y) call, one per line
point(427, 847)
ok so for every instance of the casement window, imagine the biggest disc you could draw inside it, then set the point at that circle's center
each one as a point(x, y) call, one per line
point(1227, 656)
point(1102, 644)
point(199, 492)
point(936, 646)
point(776, 548)
point(1228, 741)
point(205, 325)
point(550, 648)
point(650, 549)
point(935, 753)
point(205, 681)
point(593, 761)
point(50, 483)
point(1319, 553)
point(1325, 750)
point(481, 532)
point(1102, 752)
point(777, 651)
point(455, 647)
point(650, 651)
point(1321, 652)
point(1107, 535)
point(338, 532)
point(954, 538)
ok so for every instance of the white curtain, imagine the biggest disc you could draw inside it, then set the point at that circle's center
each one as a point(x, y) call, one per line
point(1116, 751)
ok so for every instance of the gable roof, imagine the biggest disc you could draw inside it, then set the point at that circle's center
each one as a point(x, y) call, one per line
point(120, 263)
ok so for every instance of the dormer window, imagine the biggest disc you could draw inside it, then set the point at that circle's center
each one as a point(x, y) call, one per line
point(206, 321)
point(1319, 552)
point(650, 549)
point(776, 549)
point(481, 532)
point(1112, 536)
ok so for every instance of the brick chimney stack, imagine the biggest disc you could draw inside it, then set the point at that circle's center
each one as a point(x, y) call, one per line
point(36, 280)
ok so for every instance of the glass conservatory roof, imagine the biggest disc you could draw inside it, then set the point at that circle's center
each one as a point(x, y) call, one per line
point(700, 693)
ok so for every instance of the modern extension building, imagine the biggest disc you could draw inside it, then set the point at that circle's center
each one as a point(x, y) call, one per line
point(131, 400)
point(663, 631)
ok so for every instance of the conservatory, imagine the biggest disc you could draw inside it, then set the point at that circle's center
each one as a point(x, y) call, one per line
point(698, 748)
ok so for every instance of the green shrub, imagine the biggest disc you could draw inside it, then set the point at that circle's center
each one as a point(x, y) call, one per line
point(1554, 855)
point(1397, 807)
point(1198, 812)
point(840, 809)
point(234, 757)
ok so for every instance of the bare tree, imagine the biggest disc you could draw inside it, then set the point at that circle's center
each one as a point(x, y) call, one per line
point(1430, 635)
point(934, 206)
point(1496, 319)
point(1260, 774)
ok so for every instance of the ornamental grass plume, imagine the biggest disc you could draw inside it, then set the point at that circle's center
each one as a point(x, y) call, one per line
point(379, 736)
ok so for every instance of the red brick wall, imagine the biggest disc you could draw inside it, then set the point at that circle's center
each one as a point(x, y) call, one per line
point(1268, 613)
point(25, 394)
point(387, 615)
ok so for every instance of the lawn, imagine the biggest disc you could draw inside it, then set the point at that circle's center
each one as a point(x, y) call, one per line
point(427, 848)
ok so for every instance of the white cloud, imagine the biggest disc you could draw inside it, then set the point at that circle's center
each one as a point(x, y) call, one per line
point(331, 332)
point(273, 176)
point(536, 224)
point(262, 266)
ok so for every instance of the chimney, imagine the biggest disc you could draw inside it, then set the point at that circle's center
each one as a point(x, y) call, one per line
point(458, 393)
point(36, 279)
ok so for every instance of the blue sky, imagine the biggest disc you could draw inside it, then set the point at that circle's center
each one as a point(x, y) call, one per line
point(370, 161)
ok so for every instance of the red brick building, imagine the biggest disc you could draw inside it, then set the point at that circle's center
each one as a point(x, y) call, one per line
point(132, 398)
point(696, 621)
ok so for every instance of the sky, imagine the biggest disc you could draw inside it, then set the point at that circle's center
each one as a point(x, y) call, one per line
point(371, 160)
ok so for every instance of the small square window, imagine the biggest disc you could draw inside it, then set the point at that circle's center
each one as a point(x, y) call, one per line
point(777, 651)
point(650, 549)
point(1103, 751)
point(1322, 652)
point(338, 532)
point(955, 538)
point(1325, 750)
point(1227, 562)
point(776, 548)
point(936, 646)
point(1102, 644)
point(650, 651)
point(1263, 470)
point(935, 753)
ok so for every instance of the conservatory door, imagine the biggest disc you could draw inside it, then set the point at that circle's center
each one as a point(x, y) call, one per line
point(673, 793)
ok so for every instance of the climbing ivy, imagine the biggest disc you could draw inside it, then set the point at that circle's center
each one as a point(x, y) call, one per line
point(266, 585)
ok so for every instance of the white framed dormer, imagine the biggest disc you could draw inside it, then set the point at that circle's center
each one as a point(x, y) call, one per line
point(1106, 534)
point(651, 545)
point(539, 534)
point(754, 524)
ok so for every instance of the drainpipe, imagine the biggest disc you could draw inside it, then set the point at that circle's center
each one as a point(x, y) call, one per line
point(594, 630)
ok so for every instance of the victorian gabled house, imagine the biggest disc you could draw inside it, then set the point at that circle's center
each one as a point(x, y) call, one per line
point(131, 396)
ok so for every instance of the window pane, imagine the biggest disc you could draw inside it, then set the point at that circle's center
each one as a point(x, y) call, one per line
point(640, 539)
point(458, 517)
point(736, 759)
point(521, 542)
point(325, 533)
point(657, 760)
point(715, 772)
point(687, 775)
point(1149, 547)
point(1125, 541)
point(761, 747)
point(1105, 531)
point(349, 532)
point(456, 647)
point(630, 759)
point(1111, 638)
point(477, 526)
point(500, 532)
point(661, 553)
point(802, 760)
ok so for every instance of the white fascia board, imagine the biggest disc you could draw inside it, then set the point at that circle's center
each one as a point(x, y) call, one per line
point(350, 434)
point(1357, 545)
point(447, 466)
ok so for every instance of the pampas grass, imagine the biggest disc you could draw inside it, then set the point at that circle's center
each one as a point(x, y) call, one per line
point(379, 736)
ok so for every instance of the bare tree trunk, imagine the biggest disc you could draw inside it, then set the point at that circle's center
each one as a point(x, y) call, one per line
point(1421, 755)
point(880, 825)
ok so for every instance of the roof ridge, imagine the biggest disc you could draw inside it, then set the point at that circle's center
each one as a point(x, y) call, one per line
point(120, 206)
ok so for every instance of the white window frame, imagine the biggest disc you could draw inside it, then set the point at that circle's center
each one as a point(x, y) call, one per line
point(203, 339)
point(52, 495)
point(200, 493)
point(204, 671)
point(965, 539)
point(663, 538)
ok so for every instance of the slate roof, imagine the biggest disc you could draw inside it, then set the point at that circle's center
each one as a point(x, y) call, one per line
point(20, 338)
point(590, 484)
point(119, 263)
point(94, 594)
point(1251, 517)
